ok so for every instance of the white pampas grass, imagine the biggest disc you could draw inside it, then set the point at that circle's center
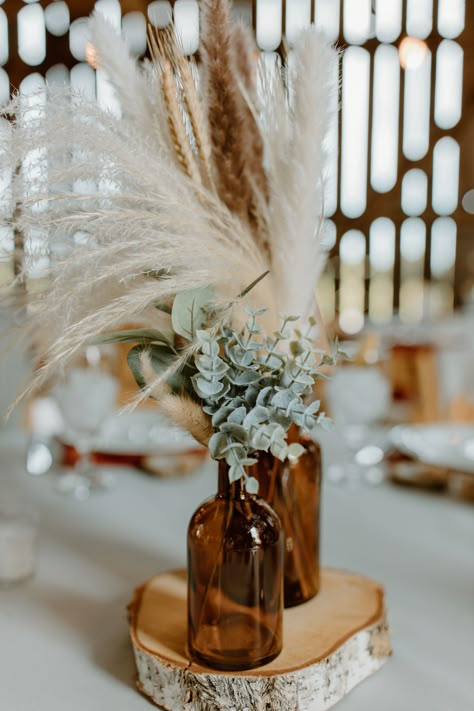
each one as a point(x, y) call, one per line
point(147, 231)
point(295, 127)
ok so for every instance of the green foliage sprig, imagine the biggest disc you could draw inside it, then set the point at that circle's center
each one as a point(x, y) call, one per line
point(251, 386)
point(254, 389)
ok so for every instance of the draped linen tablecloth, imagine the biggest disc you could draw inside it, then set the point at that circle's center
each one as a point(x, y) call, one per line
point(64, 635)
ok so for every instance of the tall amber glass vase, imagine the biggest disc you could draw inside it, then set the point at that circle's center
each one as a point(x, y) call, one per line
point(293, 491)
point(235, 580)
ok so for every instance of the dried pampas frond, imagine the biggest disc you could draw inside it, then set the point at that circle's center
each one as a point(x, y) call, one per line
point(233, 131)
point(190, 184)
point(295, 116)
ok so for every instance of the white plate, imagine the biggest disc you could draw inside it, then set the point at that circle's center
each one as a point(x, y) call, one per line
point(141, 433)
point(446, 445)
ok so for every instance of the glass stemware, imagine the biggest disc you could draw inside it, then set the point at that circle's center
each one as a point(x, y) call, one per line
point(359, 398)
point(86, 397)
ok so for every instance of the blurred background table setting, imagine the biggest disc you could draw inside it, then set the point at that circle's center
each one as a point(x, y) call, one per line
point(79, 562)
point(403, 407)
point(80, 431)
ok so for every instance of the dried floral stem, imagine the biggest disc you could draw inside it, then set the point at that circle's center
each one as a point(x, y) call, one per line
point(197, 120)
point(245, 57)
point(188, 415)
point(183, 150)
point(224, 106)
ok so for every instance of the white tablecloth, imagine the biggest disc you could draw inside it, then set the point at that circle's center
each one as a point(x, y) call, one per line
point(64, 637)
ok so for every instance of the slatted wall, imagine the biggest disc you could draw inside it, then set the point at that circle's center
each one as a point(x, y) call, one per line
point(392, 202)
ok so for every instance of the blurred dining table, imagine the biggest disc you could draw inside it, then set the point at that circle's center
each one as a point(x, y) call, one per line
point(64, 635)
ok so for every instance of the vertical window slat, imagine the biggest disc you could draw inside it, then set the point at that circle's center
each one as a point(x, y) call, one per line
point(354, 141)
point(385, 119)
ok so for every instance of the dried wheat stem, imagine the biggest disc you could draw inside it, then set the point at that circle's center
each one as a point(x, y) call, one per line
point(197, 120)
point(184, 153)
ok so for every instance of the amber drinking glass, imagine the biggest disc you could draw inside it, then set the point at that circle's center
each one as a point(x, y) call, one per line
point(293, 491)
point(235, 580)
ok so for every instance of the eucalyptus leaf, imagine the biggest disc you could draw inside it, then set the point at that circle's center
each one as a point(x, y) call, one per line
point(236, 431)
point(288, 318)
point(217, 445)
point(251, 485)
point(295, 450)
point(235, 451)
point(221, 415)
point(210, 349)
point(256, 416)
point(255, 312)
point(246, 377)
point(207, 388)
point(237, 415)
point(265, 395)
point(190, 311)
point(235, 471)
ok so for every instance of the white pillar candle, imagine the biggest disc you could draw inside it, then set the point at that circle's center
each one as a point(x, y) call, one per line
point(17, 548)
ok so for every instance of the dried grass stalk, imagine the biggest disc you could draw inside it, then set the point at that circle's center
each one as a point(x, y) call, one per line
point(224, 106)
point(183, 150)
point(197, 120)
point(245, 53)
point(181, 410)
point(187, 414)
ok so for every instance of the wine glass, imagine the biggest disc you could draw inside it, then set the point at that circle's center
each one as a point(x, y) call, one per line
point(86, 397)
point(359, 398)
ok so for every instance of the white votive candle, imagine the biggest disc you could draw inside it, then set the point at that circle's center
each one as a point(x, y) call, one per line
point(17, 547)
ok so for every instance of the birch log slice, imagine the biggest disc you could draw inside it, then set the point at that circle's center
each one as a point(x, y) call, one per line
point(331, 643)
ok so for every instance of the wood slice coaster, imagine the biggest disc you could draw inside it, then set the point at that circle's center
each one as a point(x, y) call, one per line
point(331, 643)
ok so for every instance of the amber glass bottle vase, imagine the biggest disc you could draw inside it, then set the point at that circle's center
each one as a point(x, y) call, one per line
point(292, 488)
point(235, 580)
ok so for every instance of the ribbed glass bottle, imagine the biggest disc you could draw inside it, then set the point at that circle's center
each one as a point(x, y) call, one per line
point(235, 580)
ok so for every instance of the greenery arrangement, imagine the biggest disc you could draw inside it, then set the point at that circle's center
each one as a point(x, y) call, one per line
point(159, 211)
point(236, 391)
